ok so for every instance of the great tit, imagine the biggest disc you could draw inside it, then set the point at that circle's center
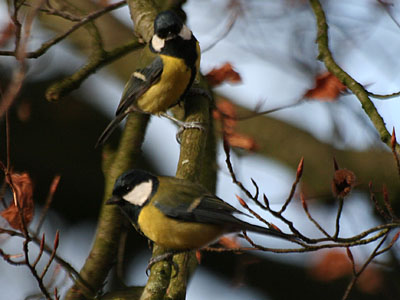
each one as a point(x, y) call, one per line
point(178, 214)
point(164, 82)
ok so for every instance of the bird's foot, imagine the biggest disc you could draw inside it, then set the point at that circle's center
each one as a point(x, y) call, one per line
point(183, 125)
point(168, 256)
point(187, 125)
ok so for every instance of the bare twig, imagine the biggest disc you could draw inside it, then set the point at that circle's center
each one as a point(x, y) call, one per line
point(385, 6)
point(393, 143)
point(388, 206)
point(244, 204)
point(228, 27)
point(351, 258)
point(384, 97)
point(338, 215)
point(49, 199)
point(305, 207)
point(377, 206)
point(82, 21)
point(294, 185)
point(364, 266)
point(40, 251)
point(21, 43)
point(233, 175)
point(53, 254)
point(9, 258)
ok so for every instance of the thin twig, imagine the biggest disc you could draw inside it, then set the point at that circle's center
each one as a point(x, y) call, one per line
point(8, 258)
point(84, 20)
point(8, 147)
point(364, 266)
point(294, 185)
point(386, 201)
point(233, 175)
point(389, 12)
point(377, 206)
point(351, 258)
point(261, 219)
point(49, 199)
point(305, 207)
point(393, 143)
point(52, 256)
point(74, 275)
point(338, 215)
point(384, 97)
point(228, 28)
point(41, 249)
point(20, 53)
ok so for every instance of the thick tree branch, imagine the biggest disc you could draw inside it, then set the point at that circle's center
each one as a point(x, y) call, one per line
point(105, 246)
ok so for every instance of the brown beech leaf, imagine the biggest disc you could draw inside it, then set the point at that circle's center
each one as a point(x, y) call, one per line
point(241, 141)
point(198, 256)
point(22, 187)
point(226, 113)
point(225, 73)
point(370, 281)
point(6, 33)
point(229, 242)
point(343, 182)
point(332, 265)
point(327, 88)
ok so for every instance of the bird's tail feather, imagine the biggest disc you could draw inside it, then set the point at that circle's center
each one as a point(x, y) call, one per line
point(109, 129)
point(268, 231)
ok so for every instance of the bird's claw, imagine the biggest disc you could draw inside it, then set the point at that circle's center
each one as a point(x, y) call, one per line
point(167, 257)
point(187, 125)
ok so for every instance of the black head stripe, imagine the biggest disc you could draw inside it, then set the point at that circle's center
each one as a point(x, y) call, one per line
point(167, 23)
point(132, 178)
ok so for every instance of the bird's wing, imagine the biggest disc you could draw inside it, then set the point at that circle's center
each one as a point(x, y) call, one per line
point(141, 80)
point(192, 203)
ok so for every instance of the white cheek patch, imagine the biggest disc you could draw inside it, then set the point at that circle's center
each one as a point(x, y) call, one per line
point(140, 193)
point(157, 43)
point(185, 33)
point(139, 76)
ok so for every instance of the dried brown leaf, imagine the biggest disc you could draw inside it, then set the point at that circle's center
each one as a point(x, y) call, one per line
point(327, 88)
point(22, 187)
point(229, 242)
point(332, 265)
point(343, 182)
point(226, 73)
point(242, 141)
point(7, 33)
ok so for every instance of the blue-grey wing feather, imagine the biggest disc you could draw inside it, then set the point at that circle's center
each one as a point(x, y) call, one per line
point(141, 80)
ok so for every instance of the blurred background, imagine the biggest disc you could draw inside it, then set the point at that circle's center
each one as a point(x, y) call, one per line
point(271, 45)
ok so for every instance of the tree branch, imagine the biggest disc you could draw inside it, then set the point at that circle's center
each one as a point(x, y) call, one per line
point(359, 91)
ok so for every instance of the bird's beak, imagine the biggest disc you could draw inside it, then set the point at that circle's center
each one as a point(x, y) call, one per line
point(114, 200)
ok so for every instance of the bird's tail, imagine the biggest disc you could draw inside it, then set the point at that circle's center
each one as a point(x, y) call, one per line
point(109, 129)
point(268, 231)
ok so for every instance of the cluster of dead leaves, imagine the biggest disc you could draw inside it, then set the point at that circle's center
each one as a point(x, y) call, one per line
point(327, 88)
point(22, 189)
point(225, 73)
point(226, 114)
point(225, 111)
point(335, 264)
point(7, 33)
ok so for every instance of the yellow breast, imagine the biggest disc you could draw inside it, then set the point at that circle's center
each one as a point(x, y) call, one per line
point(175, 234)
point(167, 91)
